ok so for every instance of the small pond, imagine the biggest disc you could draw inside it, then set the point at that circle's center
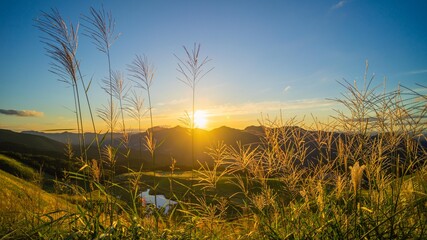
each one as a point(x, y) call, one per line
point(162, 201)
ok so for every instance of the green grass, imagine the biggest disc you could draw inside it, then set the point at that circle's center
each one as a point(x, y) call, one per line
point(24, 207)
point(177, 185)
point(16, 168)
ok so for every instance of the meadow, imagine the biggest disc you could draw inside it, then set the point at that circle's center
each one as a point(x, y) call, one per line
point(362, 175)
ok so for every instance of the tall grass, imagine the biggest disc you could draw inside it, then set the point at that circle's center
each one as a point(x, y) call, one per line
point(100, 26)
point(143, 71)
point(361, 176)
point(135, 108)
point(192, 70)
point(61, 43)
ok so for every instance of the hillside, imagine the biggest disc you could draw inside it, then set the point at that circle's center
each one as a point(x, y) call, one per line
point(17, 168)
point(34, 152)
point(22, 202)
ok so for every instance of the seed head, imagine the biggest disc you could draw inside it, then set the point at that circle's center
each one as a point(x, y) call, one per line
point(356, 175)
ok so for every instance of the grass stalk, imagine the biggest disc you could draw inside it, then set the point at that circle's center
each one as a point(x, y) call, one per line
point(100, 27)
point(192, 70)
point(143, 72)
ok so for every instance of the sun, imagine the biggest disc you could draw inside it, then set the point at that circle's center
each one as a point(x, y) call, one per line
point(200, 119)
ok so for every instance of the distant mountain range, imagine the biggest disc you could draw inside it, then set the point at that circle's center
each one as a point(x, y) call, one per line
point(172, 143)
point(176, 135)
point(29, 143)
point(69, 137)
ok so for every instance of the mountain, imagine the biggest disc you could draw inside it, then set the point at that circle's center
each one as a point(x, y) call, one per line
point(29, 143)
point(69, 137)
point(37, 152)
point(171, 142)
point(255, 130)
point(176, 143)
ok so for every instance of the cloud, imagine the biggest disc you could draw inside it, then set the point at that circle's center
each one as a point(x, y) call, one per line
point(270, 106)
point(173, 102)
point(58, 130)
point(286, 89)
point(339, 5)
point(21, 113)
point(416, 72)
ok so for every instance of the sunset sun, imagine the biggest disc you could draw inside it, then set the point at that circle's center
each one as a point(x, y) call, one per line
point(200, 119)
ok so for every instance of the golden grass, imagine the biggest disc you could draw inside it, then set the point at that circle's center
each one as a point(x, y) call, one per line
point(24, 205)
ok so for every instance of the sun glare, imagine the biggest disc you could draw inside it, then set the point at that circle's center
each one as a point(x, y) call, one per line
point(200, 119)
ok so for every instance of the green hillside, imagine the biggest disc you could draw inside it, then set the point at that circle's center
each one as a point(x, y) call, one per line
point(24, 206)
point(16, 168)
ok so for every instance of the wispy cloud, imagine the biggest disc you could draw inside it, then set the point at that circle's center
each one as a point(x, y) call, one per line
point(416, 72)
point(58, 130)
point(173, 102)
point(339, 4)
point(21, 113)
point(270, 106)
point(286, 89)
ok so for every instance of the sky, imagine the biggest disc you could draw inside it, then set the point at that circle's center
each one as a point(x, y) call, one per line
point(269, 57)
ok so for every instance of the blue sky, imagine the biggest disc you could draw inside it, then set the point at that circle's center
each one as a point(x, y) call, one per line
point(267, 56)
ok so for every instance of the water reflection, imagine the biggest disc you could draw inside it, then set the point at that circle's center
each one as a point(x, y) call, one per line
point(162, 201)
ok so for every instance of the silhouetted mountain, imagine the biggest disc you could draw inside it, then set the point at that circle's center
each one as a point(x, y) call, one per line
point(231, 136)
point(172, 142)
point(22, 142)
point(255, 130)
point(73, 138)
point(176, 143)
point(38, 152)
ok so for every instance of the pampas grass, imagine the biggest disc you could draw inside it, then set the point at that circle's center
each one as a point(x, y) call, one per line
point(192, 70)
point(100, 27)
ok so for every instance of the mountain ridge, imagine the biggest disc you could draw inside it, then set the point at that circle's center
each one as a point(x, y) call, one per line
point(176, 142)
point(66, 136)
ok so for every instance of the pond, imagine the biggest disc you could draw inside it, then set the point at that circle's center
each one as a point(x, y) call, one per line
point(162, 201)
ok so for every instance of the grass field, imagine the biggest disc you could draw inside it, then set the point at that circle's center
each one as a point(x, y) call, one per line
point(25, 208)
